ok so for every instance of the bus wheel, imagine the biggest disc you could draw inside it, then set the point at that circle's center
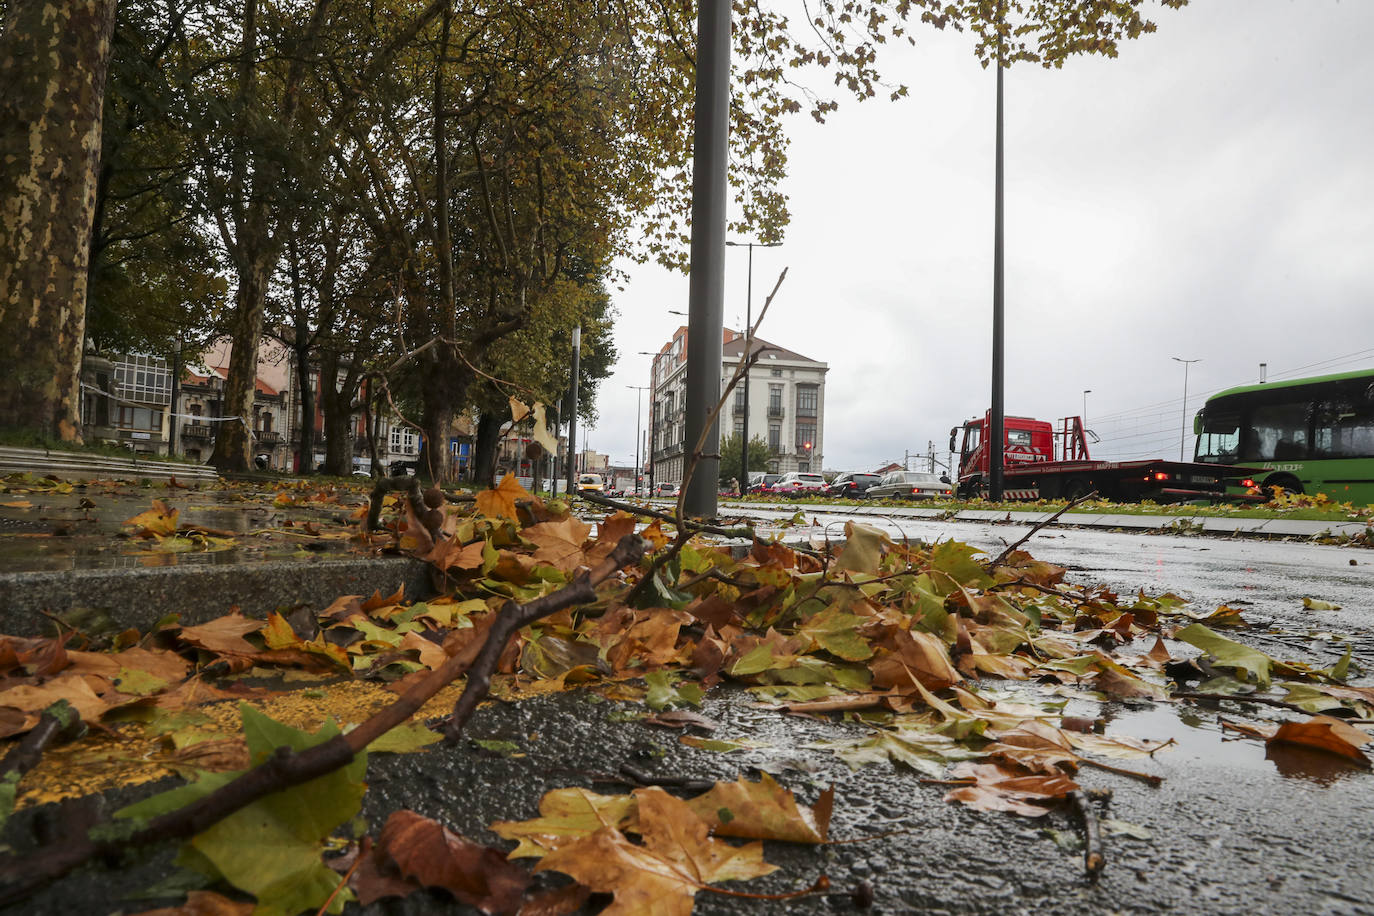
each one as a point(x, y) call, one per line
point(1076, 488)
point(1289, 485)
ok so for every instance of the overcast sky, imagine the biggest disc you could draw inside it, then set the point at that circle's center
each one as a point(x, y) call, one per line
point(1207, 195)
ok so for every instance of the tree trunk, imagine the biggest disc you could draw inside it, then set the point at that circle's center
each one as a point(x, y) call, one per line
point(307, 390)
point(488, 438)
point(338, 415)
point(54, 59)
point(233, 445)
point(437, 422)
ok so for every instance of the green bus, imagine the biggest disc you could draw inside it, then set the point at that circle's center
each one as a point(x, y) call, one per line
point(1308, 435)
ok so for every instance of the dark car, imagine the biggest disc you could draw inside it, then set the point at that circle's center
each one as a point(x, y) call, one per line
point(763, 483)
point(853, 485)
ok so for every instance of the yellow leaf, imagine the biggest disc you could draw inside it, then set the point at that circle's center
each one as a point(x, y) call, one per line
point(500, 502)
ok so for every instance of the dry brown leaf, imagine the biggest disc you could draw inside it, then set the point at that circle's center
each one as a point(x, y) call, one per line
point(428, 852)
point(914, 656)
point(159, 521)
point(763, 810)
point(451, 553)
point(559, 542)
point(999, 788)
point(609, 531)
point(662, 876)
point(204, 903)
point(223, 636)
point(1325, 733)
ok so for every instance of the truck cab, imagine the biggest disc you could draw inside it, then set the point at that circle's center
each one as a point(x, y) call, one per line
point(1026, 440)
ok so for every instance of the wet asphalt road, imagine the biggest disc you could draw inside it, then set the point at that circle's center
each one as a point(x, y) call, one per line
point(1230, 830)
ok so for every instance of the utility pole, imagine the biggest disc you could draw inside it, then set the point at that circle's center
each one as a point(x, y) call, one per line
point(745, 353)
point(706, 284)
point(639, 409)
point(572, 407)
point(996, 422)
point(1183, 435)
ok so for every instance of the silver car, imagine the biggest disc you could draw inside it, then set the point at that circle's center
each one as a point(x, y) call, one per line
point(910, 485)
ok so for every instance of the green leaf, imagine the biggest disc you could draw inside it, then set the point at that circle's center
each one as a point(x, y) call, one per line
point(835, 632)
point(497, 746)
point(956, 560)
point(405, 739)
point(663, 693)
point(1228, 653)
point(1126, 828)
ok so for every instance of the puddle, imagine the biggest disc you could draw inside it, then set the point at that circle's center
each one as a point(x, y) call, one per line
point(1199, 738)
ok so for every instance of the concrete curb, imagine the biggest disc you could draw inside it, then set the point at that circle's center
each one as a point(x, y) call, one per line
point(139, 597)
point(1208, 524)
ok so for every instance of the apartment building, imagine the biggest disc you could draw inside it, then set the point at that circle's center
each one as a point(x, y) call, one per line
point(786, 405)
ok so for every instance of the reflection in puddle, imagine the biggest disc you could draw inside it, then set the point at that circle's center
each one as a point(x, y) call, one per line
point(1201, 738)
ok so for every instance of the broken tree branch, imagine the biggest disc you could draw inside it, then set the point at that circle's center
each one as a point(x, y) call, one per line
point(1011, 548)
point(286, 768)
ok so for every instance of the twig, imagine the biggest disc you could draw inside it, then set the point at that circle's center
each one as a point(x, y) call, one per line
point(58, 720)
point(1094, 859)
point(645, 778)
point(1038, 525)
point(1122, 771)
point(364, 849)
point(286, 769)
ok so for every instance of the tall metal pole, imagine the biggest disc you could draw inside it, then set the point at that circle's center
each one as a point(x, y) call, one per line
point(706, 286)
point(572, 408)
point(1086, 392)
point(639, 409)
point(996, 426)
point(1183, 434)
point(744, 355)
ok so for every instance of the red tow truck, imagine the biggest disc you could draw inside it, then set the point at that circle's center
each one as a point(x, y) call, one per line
point(1041, 462)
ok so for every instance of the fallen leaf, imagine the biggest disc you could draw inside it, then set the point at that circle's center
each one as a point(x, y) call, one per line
point(203, 903)
point(1227, 652)
point(500, 502)
point(1316, 604)
point(566, 815)
point(1325, 733)
point(426, 851)
point(763, 810)
point(159, 521)
point(998, 788)
point(559, 543)
point(223, 635)
point(662, 876)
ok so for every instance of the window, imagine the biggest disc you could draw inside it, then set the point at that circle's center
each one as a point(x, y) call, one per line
point(139, 418)
point(806, 438)
point(803, 465)
point(775, 436)
point(739, 397)
point(807, 397)
point(144, 378)
point(739, 429)
point(776, 373)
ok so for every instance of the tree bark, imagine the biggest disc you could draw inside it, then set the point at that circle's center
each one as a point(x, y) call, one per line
point(337, 405)
point(234, 444)
point(488, 438)
point(54, 60)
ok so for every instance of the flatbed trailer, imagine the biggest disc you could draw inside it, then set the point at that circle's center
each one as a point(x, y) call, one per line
point(1040, 462)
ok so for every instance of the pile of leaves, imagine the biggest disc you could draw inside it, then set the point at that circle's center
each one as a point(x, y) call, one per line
point(920, 641)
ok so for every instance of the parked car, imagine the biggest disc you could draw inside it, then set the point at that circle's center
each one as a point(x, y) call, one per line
point(665, 489)
point(590, 483)
point(910, 485)
point(800, 482)
point(852, 485)
point(763, 483)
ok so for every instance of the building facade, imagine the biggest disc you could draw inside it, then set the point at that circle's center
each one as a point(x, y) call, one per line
point(786, 405)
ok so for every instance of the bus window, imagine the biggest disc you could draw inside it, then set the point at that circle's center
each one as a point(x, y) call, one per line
point(1280, 433)
point(1219, 441)
point(1344, 429)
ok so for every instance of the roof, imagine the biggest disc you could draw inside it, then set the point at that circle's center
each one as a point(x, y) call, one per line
point(1296, 383)
point(735, 348)
point(199, 375)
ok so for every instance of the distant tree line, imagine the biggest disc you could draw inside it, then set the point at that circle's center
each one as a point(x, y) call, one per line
point(425, 195)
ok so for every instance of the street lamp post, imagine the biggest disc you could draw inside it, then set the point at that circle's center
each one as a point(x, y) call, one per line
point(1183, 434)
point(652, 462)
point(1086, 392)
point(639, 409)
point(745, 353)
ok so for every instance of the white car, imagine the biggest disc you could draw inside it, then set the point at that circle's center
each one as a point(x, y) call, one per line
point(799, 482)
point(665, 489)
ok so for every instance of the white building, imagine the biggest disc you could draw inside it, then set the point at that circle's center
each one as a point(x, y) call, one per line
point(786, 405)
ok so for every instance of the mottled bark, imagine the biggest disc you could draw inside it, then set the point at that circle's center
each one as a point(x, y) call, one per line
point(336, 401)
point(233, 445)
point(54, 59)
point(301, 354)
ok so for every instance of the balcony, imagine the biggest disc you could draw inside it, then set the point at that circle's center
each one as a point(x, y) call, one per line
point(268, 437)
point(806, 412)
point(197, 431)
point(775, 411)
point(739, 408)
